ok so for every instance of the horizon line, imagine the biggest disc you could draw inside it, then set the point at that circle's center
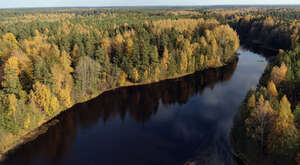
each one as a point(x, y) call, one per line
point(159, 6)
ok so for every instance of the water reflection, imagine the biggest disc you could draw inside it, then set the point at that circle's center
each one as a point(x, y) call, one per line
point(164, 123)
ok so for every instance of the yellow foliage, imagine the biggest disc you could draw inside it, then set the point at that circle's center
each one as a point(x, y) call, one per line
point(75, 53)
point(272, 89)
point(202, 60)
point(12, 102)
point(54, 105)
point(8, 43)
point(62, 79)
point(42, 96)
point(203, 41)
point(25, 63)
point(165, 59)
point(156, 73)
point(27, 122)
point(36, 46)
point(261, 116)
point(118, 40)
point(188, 48)
point(129, 47)
point(285, 108)
point(66, 62)
point(279, 74)
point(251, 101)
point(210, 62)
point(64, 96)
point(135, 74)
point(180, 25)
point(146, 74)
point(122, 78)
point(129, 34)
point(106, 44)
point(183, 62)
point(13, 63)
point(269, 22)
point(227, 40)
point(283, 131)
point(281, 51)
point(11, 72)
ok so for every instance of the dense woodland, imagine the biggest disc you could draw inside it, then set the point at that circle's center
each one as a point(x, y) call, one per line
point(266, 130)
point(52, 59)
point(121, 103)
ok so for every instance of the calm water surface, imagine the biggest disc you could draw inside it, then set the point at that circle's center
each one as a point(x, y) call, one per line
point(169, 122)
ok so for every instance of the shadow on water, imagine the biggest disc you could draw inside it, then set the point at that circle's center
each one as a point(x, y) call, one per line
point(260, 49)
point(168, 122)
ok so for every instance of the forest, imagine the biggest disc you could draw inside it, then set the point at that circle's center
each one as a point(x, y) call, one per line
point(266, 130)
point(54, 58)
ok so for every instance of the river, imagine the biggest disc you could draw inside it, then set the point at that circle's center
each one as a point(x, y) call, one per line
point(170, 122)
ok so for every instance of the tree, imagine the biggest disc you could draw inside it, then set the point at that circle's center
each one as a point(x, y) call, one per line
point(227, 41)
point(75, 54)
point(135, 75)
point(272, 89)
point(154, 61)
point(105, 66)
point(10, 79)
point(62, 81)
point(12, 104)
point(41, 72)
point(165, 59)
point(42, 96)
point(128, 47)
point(122, 78)
point(106, 45)
point(252, 101)
point(172, 67)
point(27, 122)
point(87, 73)
point(283, 133)
point(118, 48)
point(8, 44)
point(279, 74)
point(260, 119)
point(183, 62)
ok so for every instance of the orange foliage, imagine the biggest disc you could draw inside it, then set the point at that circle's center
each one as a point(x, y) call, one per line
point(279, 74)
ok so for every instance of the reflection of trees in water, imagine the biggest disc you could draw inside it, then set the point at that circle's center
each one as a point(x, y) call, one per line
point(259, 49)
point(138, 102)
point(141, 102)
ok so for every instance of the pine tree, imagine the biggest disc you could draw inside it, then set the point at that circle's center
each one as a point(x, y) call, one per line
point(10, 79)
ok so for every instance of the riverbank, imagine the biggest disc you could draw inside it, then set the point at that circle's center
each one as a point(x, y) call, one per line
point(277, 95)
point(29, 135)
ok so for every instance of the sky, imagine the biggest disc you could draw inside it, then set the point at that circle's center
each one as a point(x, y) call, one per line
point(103, 3)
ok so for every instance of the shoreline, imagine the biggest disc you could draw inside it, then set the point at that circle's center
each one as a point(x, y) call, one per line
point(30, 135)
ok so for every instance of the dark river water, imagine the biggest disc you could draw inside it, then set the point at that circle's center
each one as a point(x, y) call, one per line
point(169, 122)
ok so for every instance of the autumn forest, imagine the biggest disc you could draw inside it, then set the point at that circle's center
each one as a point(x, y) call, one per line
point(52, 59)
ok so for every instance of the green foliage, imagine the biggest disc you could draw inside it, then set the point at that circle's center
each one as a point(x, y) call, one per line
point(52, 59)
point(270, 29)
